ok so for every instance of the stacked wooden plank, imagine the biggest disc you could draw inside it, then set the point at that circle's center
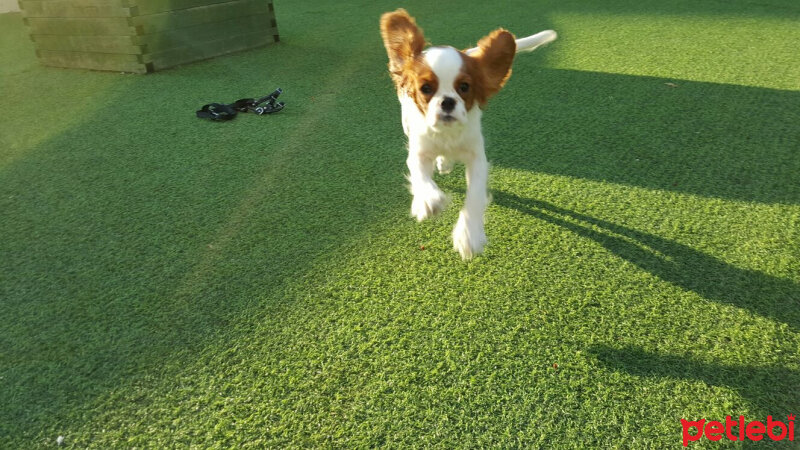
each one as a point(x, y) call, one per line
point(144, 35)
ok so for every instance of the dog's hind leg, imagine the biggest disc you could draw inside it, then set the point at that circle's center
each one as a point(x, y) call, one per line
point(444, 165)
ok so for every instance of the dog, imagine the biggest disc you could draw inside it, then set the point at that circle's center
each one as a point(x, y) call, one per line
point(442, 92)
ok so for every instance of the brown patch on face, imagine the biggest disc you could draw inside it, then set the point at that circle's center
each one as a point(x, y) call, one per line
point(490, 65)
point(469, 83)
point(420, 83)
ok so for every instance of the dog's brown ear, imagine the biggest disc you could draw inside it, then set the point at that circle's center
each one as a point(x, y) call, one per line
point(402, 38)
point(494, 55)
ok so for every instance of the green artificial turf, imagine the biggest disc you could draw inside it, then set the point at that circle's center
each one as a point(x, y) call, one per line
point(172, 282)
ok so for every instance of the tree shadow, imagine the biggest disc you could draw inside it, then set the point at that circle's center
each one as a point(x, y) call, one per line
point(709, 139)
point(773, 390)
point(709, 277)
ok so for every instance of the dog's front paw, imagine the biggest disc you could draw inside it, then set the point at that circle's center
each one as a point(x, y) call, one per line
point(428, 204)
point(468, 237)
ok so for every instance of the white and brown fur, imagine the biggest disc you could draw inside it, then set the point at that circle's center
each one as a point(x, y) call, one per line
point(442, 92)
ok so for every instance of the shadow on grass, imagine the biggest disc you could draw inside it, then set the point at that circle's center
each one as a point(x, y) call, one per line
point(709, 277)
point(773, 390)
point(708, 139)
point(141, 235)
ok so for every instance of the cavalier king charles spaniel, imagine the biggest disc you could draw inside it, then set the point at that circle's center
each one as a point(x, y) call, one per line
point(442, 91)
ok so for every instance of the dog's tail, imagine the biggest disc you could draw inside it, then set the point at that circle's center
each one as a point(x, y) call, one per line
point(530, 43)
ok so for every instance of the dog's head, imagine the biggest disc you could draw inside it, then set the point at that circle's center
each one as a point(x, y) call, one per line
point(445, 83)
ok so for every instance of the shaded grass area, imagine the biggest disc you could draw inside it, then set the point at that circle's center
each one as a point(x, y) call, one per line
point(174, 282)
point(708, 139)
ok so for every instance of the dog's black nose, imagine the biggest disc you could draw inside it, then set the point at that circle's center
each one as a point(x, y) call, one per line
point(448, 104)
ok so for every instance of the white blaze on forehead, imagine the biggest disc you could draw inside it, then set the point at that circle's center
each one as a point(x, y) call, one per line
point(446, 64)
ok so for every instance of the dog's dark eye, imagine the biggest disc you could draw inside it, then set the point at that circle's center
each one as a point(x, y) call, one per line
point(463, 88)
point(426, 89)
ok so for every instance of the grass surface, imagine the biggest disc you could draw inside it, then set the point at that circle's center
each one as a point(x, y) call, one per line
point(168, 282)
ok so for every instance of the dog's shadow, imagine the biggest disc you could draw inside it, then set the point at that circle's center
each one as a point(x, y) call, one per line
point(676, 263)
